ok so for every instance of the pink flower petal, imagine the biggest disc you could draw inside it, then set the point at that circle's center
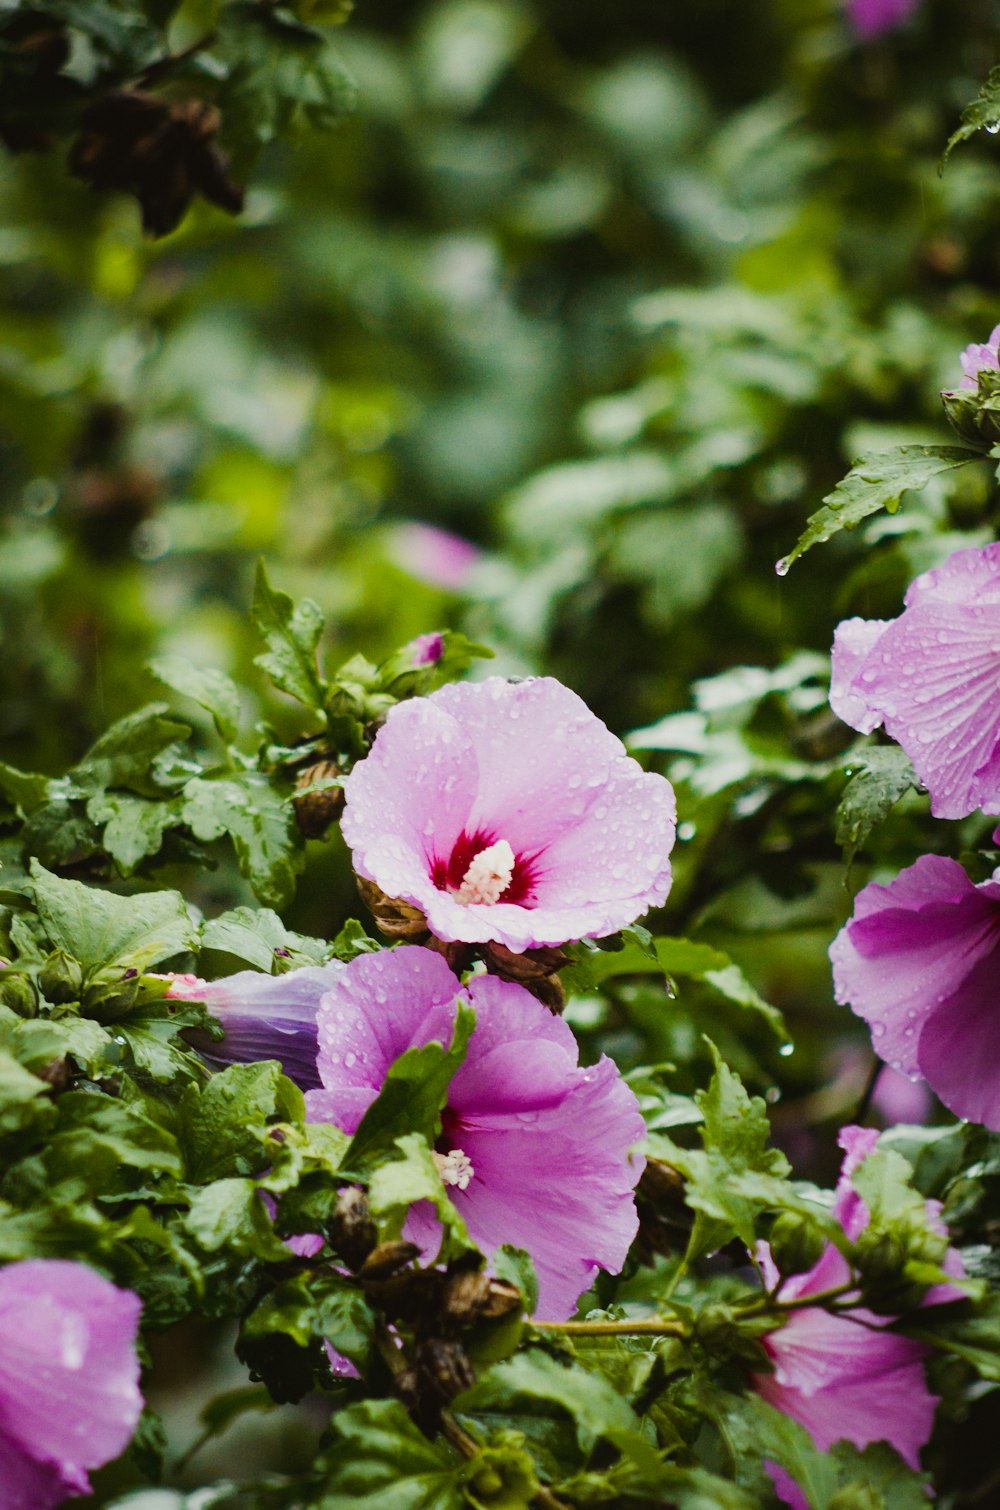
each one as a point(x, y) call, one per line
point(69, 1374)
point(908, 947)
point(852, 641)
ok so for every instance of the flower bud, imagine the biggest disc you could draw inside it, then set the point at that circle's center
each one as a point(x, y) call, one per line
point(18, 992)
point(315, 809)
point(61, 978)
point(857, 1497)
point(501, 1476)
point(796, 1244)
point(975, 412)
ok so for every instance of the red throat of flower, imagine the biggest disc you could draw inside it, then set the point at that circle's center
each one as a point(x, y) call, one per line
point(484, 868)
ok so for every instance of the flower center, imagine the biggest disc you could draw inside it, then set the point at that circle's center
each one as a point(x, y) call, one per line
point(488, 876)
point(455, 1168)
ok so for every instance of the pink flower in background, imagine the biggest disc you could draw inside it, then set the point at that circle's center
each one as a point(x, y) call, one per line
point(69, 1379)
point(870, 18)
point(919, 961)
point(507, 812)
point(932, 679)
point(976, 359)
point(534, 1150)
point(840, 1379)
point(433, 555)
point(264, 1017)
point(427, 649)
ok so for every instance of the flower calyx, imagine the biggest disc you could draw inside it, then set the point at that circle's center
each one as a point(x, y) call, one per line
point(396, 919)
point(316, 803)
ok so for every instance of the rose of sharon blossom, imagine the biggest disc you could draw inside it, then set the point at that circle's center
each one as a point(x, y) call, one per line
point(507, 812)
point(932, 678)
point(980, 358)
point(534, 1150)
point(264, 1017)
point(919, 961)
point(840, 1379)
point(69, 1379)
point(870, 18)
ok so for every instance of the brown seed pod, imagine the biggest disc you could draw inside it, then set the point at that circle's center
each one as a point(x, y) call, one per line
point(444, 1368)
point(397, 920)
point(387, 1259)
point(352, 1231)
point(315, 811)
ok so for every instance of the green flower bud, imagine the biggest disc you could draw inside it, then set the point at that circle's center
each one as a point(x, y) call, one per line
point(61, 978)
point(18, 992)
point(501, 1476)
point(796, 1243)
point(975, 412)
point(857, 1497)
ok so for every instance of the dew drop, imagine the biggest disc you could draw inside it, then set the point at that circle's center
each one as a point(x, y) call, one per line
point(781, 567)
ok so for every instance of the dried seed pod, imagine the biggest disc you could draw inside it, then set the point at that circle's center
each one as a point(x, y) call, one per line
point(387, 1259)
point(397, 920)
point(532, 965)
point(473, 1296)
point(444, 1368)
point(352, 1231)
point(315, 811)
point(162, 151)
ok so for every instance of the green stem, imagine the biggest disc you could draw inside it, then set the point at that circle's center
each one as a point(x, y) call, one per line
point(613, 1328)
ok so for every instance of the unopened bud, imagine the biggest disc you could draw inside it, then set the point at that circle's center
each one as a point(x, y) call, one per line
point(975, 412)
point(857, 1497)
point(316, 806)
point(796, 1243)
point(61, 978)
point(18, 992)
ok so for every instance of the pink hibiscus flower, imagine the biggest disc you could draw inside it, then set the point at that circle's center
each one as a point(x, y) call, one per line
point(69, 1379)
point(535, 1149)
point(507, 812)
point(919, 961)
point(932, 679)
point(980, 358)
point(846, 1378)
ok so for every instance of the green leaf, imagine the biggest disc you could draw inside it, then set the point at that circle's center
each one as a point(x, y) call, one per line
point(254, 933)
point(380, 1461)
point(20, 1095)
point(515, 1265)
point(412, 1095)
point(316, 1305)
point(133, 826)
point(221, 1123)
point(880, 774)
point(672, 956)
point(231, 1214)
point(735, 1134)
point(414, 1176)
point(258, 818)
point(99, 928)
point(982, 113)
point(292, 633)
point(209, 688)
point(877, 481)
point(124, 754)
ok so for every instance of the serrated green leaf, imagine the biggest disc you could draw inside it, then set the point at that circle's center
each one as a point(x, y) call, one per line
point(209, 688)
point(260, 821)
point(133, 826)
point(880, 774)
point(380, 1461)
point(231, 1214)
point(292, 632)
point(100, 928)
point(124, 753)
point(982, 113)
point(876, 481)
point(254, 933)
point(220, 1123)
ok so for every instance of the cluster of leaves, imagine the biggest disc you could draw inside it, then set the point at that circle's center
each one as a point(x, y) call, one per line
point(143, 113)
point(143, 797)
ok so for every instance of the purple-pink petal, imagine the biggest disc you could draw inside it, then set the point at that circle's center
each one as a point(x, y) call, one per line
point(919, 961)
point(69, 1379)
point(264, 1017)
point(550, 1142)
point(932, 678)
point(847, 1377)
point(527, 767)
point(977, 358)
point(870, 18)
